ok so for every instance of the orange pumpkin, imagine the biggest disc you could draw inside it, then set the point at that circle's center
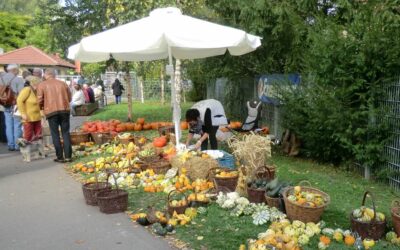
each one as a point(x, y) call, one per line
point(120, 128)
point(184, 125)
point(140, 121)
point(130, 126)
point(349, 240)
point(155, 125)
point(224, 129)
point(238, 124)
point(137, 127)
point(147, 126)
point(160, 142)
point(265, 130)
point(324, 239)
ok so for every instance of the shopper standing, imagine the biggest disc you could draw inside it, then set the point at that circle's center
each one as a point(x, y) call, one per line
point(117, 90)
point(13, 122)
point(57, 111)
point(28, 106)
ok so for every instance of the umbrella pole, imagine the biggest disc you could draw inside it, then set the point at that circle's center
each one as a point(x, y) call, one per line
point(176, 112)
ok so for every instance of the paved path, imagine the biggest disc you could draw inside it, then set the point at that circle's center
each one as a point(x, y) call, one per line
point(42, 207)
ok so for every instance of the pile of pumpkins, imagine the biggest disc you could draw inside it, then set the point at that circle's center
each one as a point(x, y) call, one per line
point(114, 125)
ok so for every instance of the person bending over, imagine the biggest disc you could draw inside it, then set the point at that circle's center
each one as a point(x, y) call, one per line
point(204, 119)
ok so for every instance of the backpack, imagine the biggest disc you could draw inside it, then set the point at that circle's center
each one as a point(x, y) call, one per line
point(7, 97)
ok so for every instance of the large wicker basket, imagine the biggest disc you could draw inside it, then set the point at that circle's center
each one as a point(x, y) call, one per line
point(256, 195)
point(101, 137)
point(395, 211)
point(113, 200)
point(371, 230)
point(91, 189)
point(126, 140)
point(302, 213)
point(279, 203)
point(266, 172)
point(223, 184)
point(177, 209)
point(78, 137)
point(159, 167)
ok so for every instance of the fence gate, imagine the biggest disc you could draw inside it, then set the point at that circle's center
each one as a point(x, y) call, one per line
point(392, 149)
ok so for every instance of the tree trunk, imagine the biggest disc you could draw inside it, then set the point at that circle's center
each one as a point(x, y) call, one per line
point(129, 94)
point(162, 86)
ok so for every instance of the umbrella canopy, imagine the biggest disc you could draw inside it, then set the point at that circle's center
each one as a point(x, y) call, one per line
point(148, 39)
point(165, 33)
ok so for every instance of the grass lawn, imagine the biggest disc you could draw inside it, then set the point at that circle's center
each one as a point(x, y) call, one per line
point(151, 111)
point(222, 231)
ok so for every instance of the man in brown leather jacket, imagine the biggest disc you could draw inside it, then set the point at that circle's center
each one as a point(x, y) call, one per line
point(54, 97)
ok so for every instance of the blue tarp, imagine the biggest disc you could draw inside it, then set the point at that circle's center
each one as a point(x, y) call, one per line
point(266, 86)
point(227, 160)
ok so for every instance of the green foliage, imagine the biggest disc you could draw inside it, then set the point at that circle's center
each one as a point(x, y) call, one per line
point(13, 30)
point(38, 37)
point(79, 18)
point(19, 6)
point(336, 110)
point(93, 70)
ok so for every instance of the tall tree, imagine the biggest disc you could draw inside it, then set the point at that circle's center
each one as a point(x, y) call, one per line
point(19, 6)
point(13, 29)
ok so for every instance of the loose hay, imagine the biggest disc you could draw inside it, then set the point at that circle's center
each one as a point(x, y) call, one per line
point(196, 166)
point(252, 150)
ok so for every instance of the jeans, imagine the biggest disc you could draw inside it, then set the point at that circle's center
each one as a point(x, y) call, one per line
point(117, 99)
point(212, 138)
point(13, 128)
point(72, 107)
point(3, 137)
point(55, 122)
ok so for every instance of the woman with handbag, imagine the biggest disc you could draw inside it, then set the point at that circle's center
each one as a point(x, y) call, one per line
point(29, 109)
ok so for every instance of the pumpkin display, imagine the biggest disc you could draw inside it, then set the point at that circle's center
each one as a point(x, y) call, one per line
point(137, 127)
point(120, 128)
point(147, 126)
point(130, 126)
point(155, 125)
point(140, 120)
point(160, 142)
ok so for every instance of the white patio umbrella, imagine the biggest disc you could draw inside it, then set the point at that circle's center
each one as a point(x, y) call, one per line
point(165, 33)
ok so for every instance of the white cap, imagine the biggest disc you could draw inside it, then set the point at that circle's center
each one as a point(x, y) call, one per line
point(12, 66)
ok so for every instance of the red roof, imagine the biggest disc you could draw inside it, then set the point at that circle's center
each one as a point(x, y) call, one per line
point(33, 56)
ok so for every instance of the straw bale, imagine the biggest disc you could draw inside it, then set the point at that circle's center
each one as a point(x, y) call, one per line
point(197, 167)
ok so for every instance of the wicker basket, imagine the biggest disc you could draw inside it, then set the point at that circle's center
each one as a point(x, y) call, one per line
point(159, 167)
point(101, 137)
point(78, 137)
point(126, 140)
point(91, 189)
point(151, 215)
point(113, 201)
point(301, 213)
point(266, 172)
point(224, 184)
point(395, 211)
point(256, 195)
point(371, 230)
point(197, 203)
point(166, 130)
point(279, 203)
point(179, 209)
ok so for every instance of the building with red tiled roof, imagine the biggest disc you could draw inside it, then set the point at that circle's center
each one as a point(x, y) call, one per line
point(30, 57)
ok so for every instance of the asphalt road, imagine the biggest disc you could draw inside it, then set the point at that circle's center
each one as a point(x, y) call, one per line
point(42, 207)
